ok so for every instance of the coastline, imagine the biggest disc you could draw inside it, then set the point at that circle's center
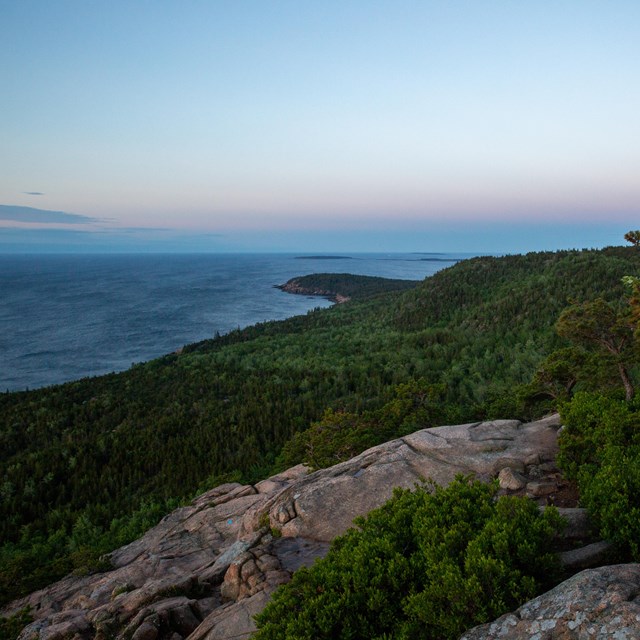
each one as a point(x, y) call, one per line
point(293, 286)
point(64, 326)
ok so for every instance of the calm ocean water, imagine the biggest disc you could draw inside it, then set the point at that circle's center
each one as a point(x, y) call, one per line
point(64, 317)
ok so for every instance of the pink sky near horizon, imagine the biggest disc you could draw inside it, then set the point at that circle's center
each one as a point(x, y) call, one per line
point(280, 117)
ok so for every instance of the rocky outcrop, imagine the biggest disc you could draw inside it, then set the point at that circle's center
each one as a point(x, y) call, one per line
point(323, 504)
point(207, 568)
point(296, 287)
point(595, 604)
point(196, 561)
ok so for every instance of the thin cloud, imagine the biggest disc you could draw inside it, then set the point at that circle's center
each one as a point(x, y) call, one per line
point(87, 240)
point(174, 232)
point(12, 213)
point(33, 193)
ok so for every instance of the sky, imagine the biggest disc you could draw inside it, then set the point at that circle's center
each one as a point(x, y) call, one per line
point(348, 125)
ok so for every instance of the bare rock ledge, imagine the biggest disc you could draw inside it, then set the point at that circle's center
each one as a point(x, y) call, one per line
point(598, 604)
point(206, 569)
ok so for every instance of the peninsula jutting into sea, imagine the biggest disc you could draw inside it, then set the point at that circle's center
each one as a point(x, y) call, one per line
point(79, 315)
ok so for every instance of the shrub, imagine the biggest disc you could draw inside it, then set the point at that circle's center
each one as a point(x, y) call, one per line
point(591, 423)
point(611, 495)
point(427, 564)
point(11, 627)
point(340, 435)
point(600, 447)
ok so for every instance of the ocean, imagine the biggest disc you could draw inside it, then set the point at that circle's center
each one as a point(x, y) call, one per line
point(65, 317)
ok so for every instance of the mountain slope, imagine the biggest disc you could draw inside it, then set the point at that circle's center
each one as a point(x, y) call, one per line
point(208, 565)
point(87, 466)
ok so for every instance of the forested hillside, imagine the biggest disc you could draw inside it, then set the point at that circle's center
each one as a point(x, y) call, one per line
point(88, 465)
point(344, 285)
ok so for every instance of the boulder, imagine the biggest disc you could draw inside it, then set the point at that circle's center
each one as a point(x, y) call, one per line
point(232, 621)
point(540, 488)
point(595, 604)
point(511, 480)
point(578, 525)
point(591, 555)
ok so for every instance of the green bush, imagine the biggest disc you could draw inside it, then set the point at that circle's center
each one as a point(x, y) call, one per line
point(428, 564)
point(11, 627)
point(600, 448)
point(612, 496)
point(591, 423)
point(340, 435)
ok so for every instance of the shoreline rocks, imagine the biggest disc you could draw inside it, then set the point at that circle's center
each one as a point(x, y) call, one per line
point(293, 286)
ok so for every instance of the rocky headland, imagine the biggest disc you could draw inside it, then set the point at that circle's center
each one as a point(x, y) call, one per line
point(207, 568)
point(342, 287)
point(296, 287)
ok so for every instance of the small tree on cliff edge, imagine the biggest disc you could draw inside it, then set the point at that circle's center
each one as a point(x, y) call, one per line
point(633, 237)
point(600, 325)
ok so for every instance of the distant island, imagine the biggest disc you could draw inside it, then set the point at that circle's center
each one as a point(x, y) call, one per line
point(323, 258)
point(440, 259)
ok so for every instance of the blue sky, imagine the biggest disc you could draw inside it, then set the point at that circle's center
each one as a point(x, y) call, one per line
point(346, 125)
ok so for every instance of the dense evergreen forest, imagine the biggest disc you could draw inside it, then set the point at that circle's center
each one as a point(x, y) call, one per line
point(89, 465)
point(345, 285)
point(434, 562)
